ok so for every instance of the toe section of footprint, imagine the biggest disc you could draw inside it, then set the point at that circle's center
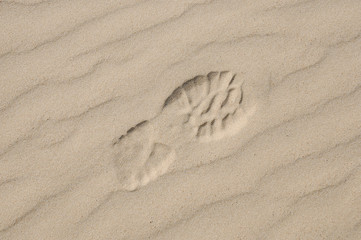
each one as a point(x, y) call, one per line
point(213, 103)
point(199, 89)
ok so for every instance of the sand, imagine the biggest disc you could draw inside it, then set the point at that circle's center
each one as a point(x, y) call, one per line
point(180, 119)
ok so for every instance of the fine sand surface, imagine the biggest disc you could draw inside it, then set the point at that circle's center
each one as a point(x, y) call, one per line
point(167, 119)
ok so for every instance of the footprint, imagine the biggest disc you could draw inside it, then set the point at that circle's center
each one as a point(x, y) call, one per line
point(205, 108)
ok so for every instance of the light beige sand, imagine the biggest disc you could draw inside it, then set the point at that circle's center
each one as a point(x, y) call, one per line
point(180, 119)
